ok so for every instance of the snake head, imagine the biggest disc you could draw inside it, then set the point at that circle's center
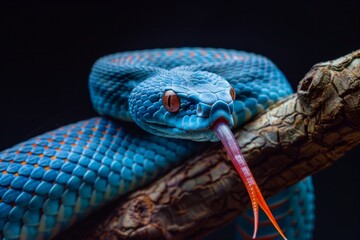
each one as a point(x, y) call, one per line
point(182, 104)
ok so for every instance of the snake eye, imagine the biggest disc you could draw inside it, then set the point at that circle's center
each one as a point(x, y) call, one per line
point(171, 101)
point(232, 93)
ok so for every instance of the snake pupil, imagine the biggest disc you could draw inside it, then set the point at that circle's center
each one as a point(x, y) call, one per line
point(171, 101)
point(232, 93)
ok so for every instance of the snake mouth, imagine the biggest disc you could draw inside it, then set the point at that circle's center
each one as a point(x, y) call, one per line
point(219, 121)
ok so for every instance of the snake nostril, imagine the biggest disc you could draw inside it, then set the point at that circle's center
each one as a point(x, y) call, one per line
point(203, 110)
point(199, 110)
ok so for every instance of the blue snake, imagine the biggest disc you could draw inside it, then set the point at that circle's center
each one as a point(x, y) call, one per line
point(178, 99)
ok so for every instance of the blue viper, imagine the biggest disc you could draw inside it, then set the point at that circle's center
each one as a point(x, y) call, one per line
point(176, 97)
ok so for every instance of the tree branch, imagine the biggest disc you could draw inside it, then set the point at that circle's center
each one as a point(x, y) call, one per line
point(297, 137)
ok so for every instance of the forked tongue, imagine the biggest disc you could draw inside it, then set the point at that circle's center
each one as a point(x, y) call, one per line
point(227, 138)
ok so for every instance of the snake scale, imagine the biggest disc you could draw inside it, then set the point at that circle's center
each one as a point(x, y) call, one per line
point(177, 98)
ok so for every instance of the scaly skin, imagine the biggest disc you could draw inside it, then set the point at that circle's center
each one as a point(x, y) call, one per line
point(50, 181)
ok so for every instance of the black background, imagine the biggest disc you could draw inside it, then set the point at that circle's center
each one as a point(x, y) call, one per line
point(47, 50)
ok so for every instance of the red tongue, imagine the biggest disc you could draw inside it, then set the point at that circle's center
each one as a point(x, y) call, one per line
point(225, 135)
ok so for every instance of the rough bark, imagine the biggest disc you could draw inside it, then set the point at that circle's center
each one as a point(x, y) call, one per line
point(297, 137)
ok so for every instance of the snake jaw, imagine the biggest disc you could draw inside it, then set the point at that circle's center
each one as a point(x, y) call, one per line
point(225, 135)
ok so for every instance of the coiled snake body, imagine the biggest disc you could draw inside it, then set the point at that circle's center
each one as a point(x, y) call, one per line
point(177, 96)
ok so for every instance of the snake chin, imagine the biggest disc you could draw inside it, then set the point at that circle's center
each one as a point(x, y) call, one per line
point(163, 130)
